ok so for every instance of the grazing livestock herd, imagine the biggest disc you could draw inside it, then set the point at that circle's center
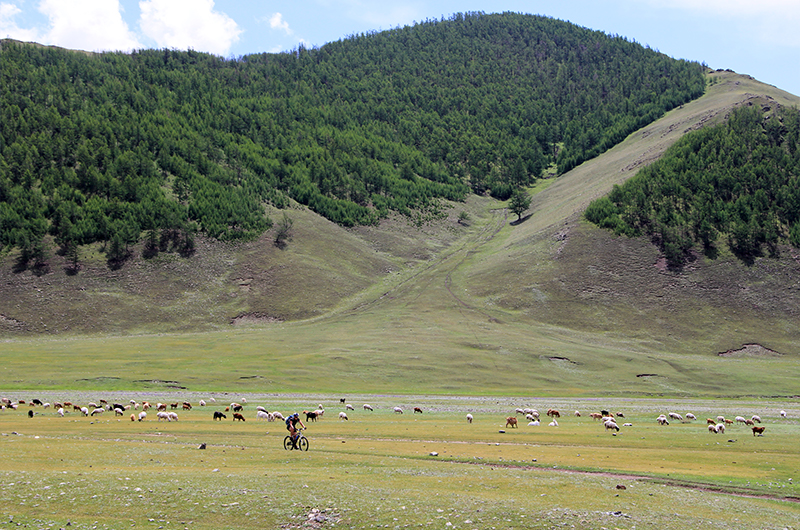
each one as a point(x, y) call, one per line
point(605, 417)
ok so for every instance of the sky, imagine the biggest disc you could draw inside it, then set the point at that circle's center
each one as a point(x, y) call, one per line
point(761, 39)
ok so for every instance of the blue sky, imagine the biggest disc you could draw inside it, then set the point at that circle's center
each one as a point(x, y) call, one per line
point(761, 38)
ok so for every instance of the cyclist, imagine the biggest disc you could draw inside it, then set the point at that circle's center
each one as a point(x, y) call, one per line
point(291, 426)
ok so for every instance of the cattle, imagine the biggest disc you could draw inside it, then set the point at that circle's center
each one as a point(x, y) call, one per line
point(238, 416)
point(511, 421)
point(758, 430)
point(219, 415)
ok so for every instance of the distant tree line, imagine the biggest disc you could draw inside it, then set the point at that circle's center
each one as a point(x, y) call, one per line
point(162, 144)
point(736, 183)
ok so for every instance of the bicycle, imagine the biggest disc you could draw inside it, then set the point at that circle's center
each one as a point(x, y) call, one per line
point(301, 443)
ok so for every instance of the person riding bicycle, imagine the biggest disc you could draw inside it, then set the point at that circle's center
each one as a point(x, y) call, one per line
point(291, 426)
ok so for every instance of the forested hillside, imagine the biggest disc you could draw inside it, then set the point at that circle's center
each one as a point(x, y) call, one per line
point(737, 183)
point(159, 144)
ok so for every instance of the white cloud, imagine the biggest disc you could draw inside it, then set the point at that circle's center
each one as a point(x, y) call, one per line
point(92, 25)
point(9, 28)
point(276, 22)
point(184, 24)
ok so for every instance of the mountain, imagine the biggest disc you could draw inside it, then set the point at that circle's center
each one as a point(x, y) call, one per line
point(544, 303)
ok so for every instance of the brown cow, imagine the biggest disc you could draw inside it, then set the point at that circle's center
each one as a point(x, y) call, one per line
point(758, 430)
point(512, 421)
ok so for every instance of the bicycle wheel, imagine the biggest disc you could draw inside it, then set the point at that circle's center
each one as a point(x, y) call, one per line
point(302, 443)
point(287, 443)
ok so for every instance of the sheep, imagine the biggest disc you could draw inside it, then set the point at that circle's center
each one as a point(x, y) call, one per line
point(202, 403)
point(133, 417)
point(662, 420)
point(119, 412)
point(142, 415)
point(30, 413)
point(320, 412)
point(577, 414)
point(161, 415)
point(520, 411)
point(237, 408)
point(469, 418)
point(627, 424)
point(261, 409)
point(690, 416)
point(783, 414)
point(675, 416)
point(261, 415)
point(710, 421)
point(98, 411)
point(84, 411)
point(172, 416)
point(512, 421)
point(60, 412)
point(417, 409)
point(749, 422)
point(342, 416)
point(278, 416)
point(349, 407)
point(721, 428)
point(611, 424)
point(161, 406)
point(238, 416)
point(595, 415)
point(534, 423)
point(712, 428)
point(219, 415)
point(756, 418)
point(398, 410)
point(46, 405)
point(720, 419)
point(758, 430)
point(553, 423)
point(620, 415)
point(187, 405)
point(740, 419)
point(367, 407)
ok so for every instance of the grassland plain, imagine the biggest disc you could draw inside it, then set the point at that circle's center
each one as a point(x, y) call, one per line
point(379, 468)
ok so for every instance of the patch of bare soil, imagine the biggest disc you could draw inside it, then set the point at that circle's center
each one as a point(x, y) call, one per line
point(751, 350)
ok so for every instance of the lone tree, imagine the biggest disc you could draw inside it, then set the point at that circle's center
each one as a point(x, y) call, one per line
point(520, 201)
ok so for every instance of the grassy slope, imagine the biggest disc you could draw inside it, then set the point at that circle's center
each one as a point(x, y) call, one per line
point(547, 306)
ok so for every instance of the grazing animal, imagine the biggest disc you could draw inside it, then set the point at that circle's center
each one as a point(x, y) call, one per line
point(749, 422)
point(611, 424)
point(596, 415)
point(662, 420)
point(342, 400)
point(172, 416)
point(534, 423)
point(238, 416)
point(349, 407)
point(173, 406)
point(553, 423)
point(690, 416)
point(161, 415)
point(142, 415)
point(30, 414)
point(710, 421)
point(310, 416)
point(84, 411)
point(398, 410)
point(187, 405)
point(36, 402)
point(721, 428)
point(98, 410)
point(237, 408)
point(675, 416)
point(758, 430)
point(202, 403)
point(219, 415)
point(553, 413)
point(60, 412)
point(261, 415)
point(512, 421)
point(713, 428)
point(417, 409)
point(277, 416)
point(783, 414)
point(627, 424)
point(720, 419)
point(756, 418)
point(342, 416)
point(740, 419)
point(262, 409)
point(620, 415)
point(577, 414)
point(469, 418)
point(367, 407)
point(133, 417)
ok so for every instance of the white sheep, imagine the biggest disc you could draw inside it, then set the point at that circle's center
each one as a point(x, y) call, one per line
point(161, 415)
point(611, 424)
point(278, 416)
point(553, 423)
point(84, 411)
point(577, 414)
point(469, 418)
point(367, 406)
point(262, 409)
point(675, 416)
point(690, 416)
point(783, 414)
point(720, 419)
point(98, 411)
point(342, 416)
point(756, 419)
point(721, 428)
point(262, 415)
point(60, 412)
point(534, 423)
point(349, 407)
point(142, 415)
point(740, 419)
point(398, 410)
point(202, 403)
point(662, 420)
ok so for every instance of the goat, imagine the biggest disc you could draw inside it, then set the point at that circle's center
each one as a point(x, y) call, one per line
point(219, 415)
point(238, 416)
point(417, 409)
point(310, 416)
point(512, 421)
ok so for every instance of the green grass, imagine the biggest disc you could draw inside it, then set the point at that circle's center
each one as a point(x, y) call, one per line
point(377, 468)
